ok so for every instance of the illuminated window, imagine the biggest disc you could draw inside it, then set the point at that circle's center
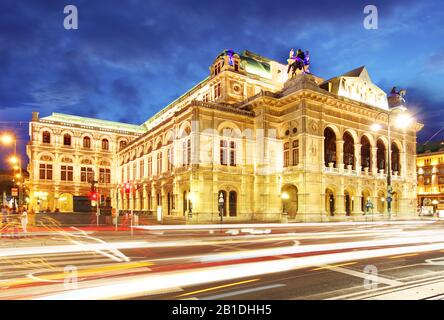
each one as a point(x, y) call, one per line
point(46, 137)
point(104, 175)
point(67, 140)
point(105, 144)
point(122, 144)
point(150, 166)
point(45, 171)
point(86, 174)
point(66, 173)
point(159, 162)
point(295, 152)
point(141, 168)
point(87, 142)
point(217, 91)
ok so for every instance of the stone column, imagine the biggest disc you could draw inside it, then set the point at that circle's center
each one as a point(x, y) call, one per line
point(374, 162)
point(358, 157)
point(340, 203)
point(340, 155)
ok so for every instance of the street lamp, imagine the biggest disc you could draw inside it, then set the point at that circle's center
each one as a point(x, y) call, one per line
point(284, 197)
point(11, 139)
point(402, 121)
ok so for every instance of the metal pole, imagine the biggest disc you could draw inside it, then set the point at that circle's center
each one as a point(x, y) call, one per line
point(389, 178)
point(132, 215)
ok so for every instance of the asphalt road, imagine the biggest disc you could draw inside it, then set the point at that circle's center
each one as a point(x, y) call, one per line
point(396, 260)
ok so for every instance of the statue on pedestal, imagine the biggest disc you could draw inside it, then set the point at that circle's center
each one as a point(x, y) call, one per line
point(298, 61)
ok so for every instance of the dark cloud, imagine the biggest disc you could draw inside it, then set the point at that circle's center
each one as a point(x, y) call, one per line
point(128, 59)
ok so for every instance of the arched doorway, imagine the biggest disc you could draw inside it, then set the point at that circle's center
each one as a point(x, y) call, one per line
point(395, 203)
point(348, 203)
point(366, 154)
point(396, 166)
point(233, 203)
point(329, 146)
point(291, 203)
point(349, 150)
point(330, 202)
point(365, 197)
point(380, 155)
point(224, 197)
point(381, 202)
point(65, 202)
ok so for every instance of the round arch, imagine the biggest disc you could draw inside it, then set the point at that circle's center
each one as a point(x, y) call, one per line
point(290, 204)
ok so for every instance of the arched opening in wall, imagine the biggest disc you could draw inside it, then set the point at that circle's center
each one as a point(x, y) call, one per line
point(349, 150)
point(348, 203)
point(185, 202)
point(381, 201)
point(222, 205)
point(233, 203)
point(169, 203)
point(87, 142)
point(46, 137)
point(380, 155)
point(396, 202)
point(290, 202)
point(66, 139)
point(366, 154)
point(365, 197)
point(329, 147)
point(396, 165)
point(330, 202)
point(65, 202)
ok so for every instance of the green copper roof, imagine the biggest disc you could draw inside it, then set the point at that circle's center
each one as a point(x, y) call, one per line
point(256, 64)
point(94, 122)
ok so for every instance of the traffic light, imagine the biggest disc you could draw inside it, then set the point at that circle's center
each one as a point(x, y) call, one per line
point(127, 187)
point(93, 195)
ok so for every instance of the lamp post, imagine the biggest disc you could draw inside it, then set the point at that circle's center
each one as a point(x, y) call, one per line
point(11, 139)
point(402, 121)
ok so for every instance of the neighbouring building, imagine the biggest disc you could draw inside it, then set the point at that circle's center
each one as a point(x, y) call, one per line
point(430, 168)
point(246, 141)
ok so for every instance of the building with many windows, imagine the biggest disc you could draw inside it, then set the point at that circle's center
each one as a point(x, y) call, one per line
point(247, 141)
point(430, 168)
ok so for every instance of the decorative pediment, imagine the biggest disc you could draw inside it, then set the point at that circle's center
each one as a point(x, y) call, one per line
point(357, 85)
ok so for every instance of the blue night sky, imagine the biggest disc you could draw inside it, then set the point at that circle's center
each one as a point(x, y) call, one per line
point(128, 59)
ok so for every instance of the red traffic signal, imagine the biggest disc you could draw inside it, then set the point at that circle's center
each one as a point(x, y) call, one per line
point(127, 187)
point(93, 195)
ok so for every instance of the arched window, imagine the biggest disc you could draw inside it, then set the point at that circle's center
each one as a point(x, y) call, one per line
point(380, 155)
point(87, 142)
point(233, 203)
point(396, 166)
point(46, 137)
point(45, 168)
point(67, 139)
point(186, 147)
point(365, 153)
point(159, 162)
point(122, 144)
point(349, 150)
point(329, 146)
point(105, 144)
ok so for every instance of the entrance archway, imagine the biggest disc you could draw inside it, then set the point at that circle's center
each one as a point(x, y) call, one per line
point(65, 202)
point(330, 202)
point(348, 203)
point(381, 202)
point(365, 197)
point(290, 204)
point(329, 147)
point(233, 203)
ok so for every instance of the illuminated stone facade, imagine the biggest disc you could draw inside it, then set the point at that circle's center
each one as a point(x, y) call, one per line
point(246, 135)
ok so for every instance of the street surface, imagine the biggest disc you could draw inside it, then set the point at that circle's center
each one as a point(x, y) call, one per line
point(349, 260)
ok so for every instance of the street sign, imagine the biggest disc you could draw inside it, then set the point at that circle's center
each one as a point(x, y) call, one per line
point(14, 192)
